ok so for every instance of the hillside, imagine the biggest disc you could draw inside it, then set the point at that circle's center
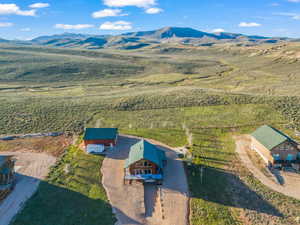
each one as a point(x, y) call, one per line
point(142, 39)
point(227, 67)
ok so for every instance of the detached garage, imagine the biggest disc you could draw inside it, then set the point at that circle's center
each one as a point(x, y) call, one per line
point(100, 136)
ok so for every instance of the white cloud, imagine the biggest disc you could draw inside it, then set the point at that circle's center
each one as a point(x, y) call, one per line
point(13, 9)
point(154, 10)
point(73, 27)
point(27, 29)
point(218, 30)
point(123, 3)
point(108, 13)
point(294, 16)
point(39, 5)
point(118, 25)
point(296, 1)
point(6, 24)
point(251, 24)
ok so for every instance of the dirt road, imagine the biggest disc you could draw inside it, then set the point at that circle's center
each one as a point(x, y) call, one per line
point(138, 204)
point(31, 168)
point(292, 181)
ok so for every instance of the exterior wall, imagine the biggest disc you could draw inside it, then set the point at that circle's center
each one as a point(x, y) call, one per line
point(262, 150)
point(103, 142)
point(139, 165)
point(284, 149)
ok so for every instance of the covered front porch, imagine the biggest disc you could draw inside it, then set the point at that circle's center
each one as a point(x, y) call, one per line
point(145, 178)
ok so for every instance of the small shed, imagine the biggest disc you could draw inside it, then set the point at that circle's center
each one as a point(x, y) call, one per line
point(100, 136)
point(274, 146)
point(145, 163)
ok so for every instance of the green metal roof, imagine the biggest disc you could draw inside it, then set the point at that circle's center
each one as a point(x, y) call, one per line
point(270, 137)
point(100, 133)
point(147, 151)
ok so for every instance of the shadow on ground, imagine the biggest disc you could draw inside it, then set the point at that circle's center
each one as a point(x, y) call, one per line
point(53, 204)
point(214, 188)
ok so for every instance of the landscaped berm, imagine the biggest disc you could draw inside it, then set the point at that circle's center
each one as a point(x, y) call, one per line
point(275, 148)
point(7, 175)
point(145, 163)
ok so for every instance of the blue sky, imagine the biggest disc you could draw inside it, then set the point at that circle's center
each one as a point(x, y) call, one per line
point(25, 19)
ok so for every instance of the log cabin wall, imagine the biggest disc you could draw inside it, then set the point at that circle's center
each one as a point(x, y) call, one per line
point(285, 149)
point(140, 166)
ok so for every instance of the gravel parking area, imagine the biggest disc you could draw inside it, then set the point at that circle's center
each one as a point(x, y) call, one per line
point(136, 203)
point(31, 168)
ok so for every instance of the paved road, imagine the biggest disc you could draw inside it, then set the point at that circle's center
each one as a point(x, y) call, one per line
point(290, 188)
point(32, 167)
point(136, 204)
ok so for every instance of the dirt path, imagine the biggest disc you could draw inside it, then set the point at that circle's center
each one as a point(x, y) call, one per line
point(31, 168)
point(291, 188)
point(138, 204)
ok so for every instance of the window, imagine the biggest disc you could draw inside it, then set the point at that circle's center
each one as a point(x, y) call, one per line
point(147, 164)
point(147, 171)
point(138, 172)
point(276, 156)
point(141, 172)
point(139, 163)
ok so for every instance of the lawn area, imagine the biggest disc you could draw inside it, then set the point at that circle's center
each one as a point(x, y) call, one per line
point(210, 201)
point(172, 137)
point(192, 117)
point(71, 195)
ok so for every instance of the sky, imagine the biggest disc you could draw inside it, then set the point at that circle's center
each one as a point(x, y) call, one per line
point(26, 19)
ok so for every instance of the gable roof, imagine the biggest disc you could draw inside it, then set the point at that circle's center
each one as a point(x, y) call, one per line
point(270, 137)
point(145, 150)
point(100, 133)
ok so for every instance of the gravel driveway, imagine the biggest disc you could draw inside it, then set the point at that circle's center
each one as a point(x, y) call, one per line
point(291, 180)
point(136, 203)
point(31, 168)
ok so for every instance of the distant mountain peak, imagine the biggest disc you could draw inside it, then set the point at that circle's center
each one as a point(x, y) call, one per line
point(141, 39)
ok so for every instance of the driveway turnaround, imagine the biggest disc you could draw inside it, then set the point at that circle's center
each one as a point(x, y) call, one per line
point(291, 183)
point(145, 204)
point(30, 168)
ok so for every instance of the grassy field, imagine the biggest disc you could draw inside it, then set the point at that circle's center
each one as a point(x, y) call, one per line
point(59, 89)
point(72, 194)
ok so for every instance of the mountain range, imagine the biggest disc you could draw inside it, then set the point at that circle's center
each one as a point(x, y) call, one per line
point(141, 39)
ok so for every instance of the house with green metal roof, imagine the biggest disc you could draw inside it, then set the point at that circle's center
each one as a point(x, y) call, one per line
point(100, 136)
point(145, 163)
point(274, 146)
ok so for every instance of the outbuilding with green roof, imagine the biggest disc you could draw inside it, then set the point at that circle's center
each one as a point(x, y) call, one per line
point(100, 136)
point(274, 146)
